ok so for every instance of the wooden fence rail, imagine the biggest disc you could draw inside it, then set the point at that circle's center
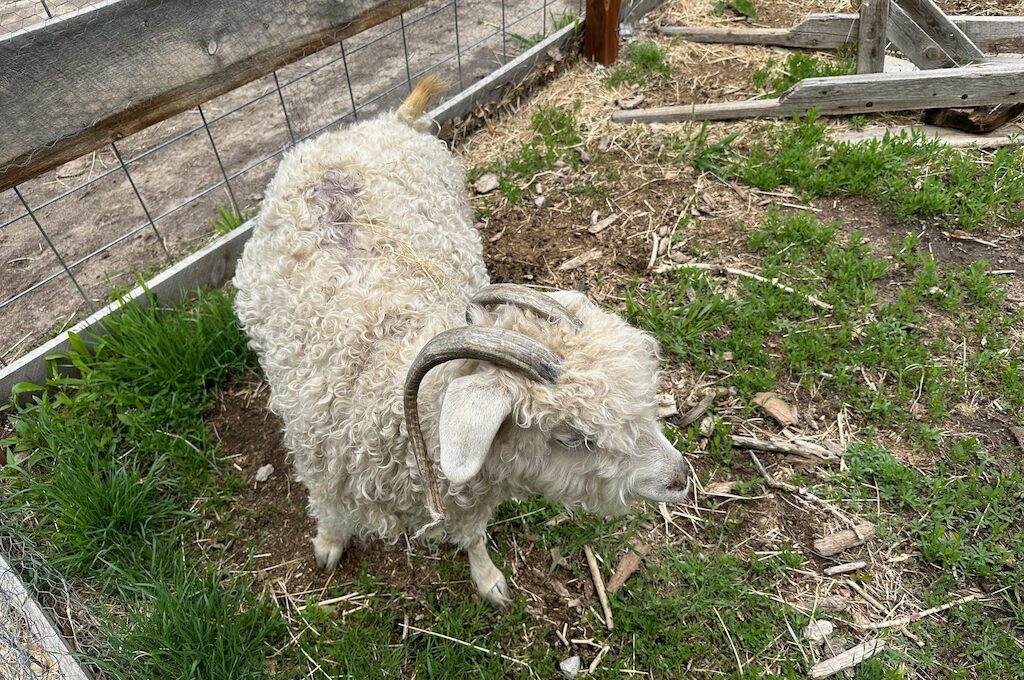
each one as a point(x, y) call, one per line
point(76, 83)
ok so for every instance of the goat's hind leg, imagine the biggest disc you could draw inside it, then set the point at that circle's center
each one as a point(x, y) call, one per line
point(489, 580)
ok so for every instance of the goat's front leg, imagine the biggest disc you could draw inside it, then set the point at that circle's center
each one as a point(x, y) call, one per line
point(489, 580)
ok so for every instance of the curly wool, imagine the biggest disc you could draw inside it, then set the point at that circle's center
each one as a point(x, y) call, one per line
point(363, 251)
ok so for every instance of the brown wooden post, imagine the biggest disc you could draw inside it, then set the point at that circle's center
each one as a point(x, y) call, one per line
point(601, 31)
point(874, 17)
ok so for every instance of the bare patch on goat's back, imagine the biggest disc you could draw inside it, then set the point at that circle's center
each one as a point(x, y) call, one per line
point(334, 201)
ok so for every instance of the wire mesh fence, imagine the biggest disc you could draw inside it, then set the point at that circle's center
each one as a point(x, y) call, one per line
point(127, 210)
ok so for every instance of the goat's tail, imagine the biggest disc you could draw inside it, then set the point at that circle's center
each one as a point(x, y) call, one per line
point(415, 105)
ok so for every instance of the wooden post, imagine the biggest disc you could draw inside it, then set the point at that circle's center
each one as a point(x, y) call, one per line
point(601, 31)
point(949, 37)
point(874, 17)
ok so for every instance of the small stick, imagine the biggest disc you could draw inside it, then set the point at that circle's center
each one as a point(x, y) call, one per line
point(478, 648)
point(848, 659)
point(904, 620)
point(866, 596)
point(595, 573)
point(845, 568)
point(719, 269)
point(627, 565)
point(797, 448)
point(697, 411)
point(800, 491)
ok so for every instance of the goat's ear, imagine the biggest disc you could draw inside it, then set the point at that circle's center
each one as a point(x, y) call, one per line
point(471, 413)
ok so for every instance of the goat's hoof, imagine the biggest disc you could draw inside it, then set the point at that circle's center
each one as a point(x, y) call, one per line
point(497, 593)
point(327, 552)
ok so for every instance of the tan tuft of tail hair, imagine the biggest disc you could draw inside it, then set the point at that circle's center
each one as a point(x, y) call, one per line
point(415, 105)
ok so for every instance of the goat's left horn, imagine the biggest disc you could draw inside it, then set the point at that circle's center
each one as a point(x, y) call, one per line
point(531, 300)
point(501, 347)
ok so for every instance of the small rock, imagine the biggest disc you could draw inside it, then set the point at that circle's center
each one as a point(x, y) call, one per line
point(486, 184)
point(707, 426)
point(570, 667)
point(604, 143)
point(263, 474)
point(818, 630)
point(539, 201)
point(631, 103)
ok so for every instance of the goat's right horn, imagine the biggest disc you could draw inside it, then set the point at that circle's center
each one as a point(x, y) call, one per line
point(531, 300)
point(501, 347)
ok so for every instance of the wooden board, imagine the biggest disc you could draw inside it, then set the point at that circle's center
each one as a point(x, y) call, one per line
point(992, 35)
point(601, 33)
point(937, 25)
point(76, 83)
point(874, 19)
point(941, 88)
point(911, 40)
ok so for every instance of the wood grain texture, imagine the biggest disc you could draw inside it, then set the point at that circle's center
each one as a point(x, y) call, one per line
point(911, 40)
point(993, 35)
point(601, 33)
point(872, 92)
point(75, 84)
point(874, 17)
point(938, 26)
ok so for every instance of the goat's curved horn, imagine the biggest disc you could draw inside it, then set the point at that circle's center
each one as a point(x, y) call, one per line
point(504, 348)
point(525, 298)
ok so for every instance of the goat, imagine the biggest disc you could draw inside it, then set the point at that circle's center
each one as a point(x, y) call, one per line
point(355, 288)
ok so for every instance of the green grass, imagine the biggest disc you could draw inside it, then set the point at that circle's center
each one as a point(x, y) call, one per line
point(567, 18)
point(778, 77)
point(109, 466)
point(557, 138)
point(914, 176)
point(744, 8)
point(645, 64)
point(228, 220)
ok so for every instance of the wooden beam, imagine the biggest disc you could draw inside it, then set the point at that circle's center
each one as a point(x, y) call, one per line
point(944, 32)
point(874, 18)
point(874, 92)
point(76, 83)
point(911, 40)
point(993, 35)
point(601, 34)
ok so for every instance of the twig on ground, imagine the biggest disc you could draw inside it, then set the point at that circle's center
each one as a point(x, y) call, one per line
point(848, 659)
point(797, 448)
point(732, 644)
point(595, 573)
point(866, 596)
point(837, 542)
point(478, 648)
point(720, 269)
point(800, 491)
point(904, 620)
point(845, 568)
point(694, 414)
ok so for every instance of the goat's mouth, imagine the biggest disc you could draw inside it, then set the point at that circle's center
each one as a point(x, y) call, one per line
point(679, 488)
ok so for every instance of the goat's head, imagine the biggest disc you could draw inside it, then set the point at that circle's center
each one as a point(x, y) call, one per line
point(562, 403)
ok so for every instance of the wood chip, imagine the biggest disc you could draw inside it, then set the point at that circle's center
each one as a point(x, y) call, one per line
point(666, 405)
point(598, 227)
point(844, 568)
point(833, 544)
point(847, 659)
point(486, 184)
point(779, 409)
point(629, 563)
point(720, 488)
point(632, 102)
point(580, 260)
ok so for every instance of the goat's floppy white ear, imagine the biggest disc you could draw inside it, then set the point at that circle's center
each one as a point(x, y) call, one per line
point(472, 411)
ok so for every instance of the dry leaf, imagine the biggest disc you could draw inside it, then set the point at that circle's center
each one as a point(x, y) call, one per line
point(629, 563)
point(777, 408)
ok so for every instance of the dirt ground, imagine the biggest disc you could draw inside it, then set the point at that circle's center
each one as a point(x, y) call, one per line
point(107, 209)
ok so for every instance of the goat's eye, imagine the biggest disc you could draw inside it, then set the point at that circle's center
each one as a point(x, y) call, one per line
point(575, 440)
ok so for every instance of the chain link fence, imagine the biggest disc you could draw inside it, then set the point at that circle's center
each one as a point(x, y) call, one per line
point(139, 204)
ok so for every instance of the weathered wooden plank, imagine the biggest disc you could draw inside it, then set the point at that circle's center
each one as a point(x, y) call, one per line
point(941, 88)
point(874, 18)
point(207, 268)
point(48, 646)
point(911, 40)
point(936, 24)
point(601, 33)
point(993, 35)
point(106, 73)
